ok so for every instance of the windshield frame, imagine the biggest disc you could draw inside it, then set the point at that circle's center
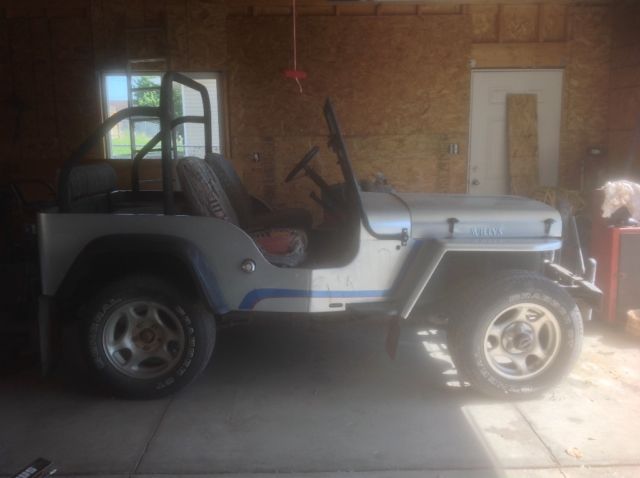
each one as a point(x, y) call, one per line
point(352, 186)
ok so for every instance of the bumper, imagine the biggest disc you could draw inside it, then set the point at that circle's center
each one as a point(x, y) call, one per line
point(582, 288)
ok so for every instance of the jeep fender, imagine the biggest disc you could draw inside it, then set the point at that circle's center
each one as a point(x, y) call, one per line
point(124, 253)
point(429, 254)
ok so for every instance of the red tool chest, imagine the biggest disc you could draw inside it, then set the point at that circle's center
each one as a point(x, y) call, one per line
point(617, 250)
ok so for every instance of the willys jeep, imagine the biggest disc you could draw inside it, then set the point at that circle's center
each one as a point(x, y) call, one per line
point(152, 274)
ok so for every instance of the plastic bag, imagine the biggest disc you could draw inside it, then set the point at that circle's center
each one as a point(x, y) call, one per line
point(619, 194)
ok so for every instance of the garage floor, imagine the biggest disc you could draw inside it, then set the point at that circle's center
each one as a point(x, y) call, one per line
point(324, 400)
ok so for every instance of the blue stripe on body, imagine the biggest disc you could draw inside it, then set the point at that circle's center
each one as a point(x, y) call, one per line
point(252, 298)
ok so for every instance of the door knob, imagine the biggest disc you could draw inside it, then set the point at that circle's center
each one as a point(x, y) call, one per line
point(475, 182)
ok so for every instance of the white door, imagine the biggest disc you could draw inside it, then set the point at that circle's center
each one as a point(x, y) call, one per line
point(488, 171)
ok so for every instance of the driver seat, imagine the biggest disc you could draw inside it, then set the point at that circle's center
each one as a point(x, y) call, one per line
point(282, 246)
point(251, 215)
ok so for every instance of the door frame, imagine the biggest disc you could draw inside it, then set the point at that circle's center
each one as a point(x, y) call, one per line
point(509, 70)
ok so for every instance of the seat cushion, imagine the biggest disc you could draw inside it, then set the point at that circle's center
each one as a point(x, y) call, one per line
point(282, 246)
point(206, 197)
point(250, 216)
point(232, 185)
point(204, 193)
point(87, 188)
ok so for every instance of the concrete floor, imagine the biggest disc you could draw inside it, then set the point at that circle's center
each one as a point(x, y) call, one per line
point(323, 400)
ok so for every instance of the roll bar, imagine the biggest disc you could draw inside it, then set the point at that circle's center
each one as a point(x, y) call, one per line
point(169, 147)
point(153, 142)
point(166, 129)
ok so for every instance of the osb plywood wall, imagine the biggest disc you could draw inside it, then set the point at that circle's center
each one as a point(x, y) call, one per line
point(399, 98)
point(47, 93)
point(51, 54)
point(575, 38)
point(586, 89)
point(401, 86)
point(399, 76)
point(190, 34)
point(624, 100)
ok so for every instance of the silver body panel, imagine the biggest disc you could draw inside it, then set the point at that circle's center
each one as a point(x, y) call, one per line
point(387, 213)
point(480, 216)
point(376, 273)
point(63, 236)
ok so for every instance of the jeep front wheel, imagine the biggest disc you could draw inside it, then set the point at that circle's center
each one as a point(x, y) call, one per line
point(145, 339)
point(515, 334)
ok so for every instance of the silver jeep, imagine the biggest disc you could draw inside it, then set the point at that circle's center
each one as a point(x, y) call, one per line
point(151, 274)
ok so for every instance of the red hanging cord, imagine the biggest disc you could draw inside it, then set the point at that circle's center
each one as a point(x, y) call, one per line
point(295, 39)
point(295, 73)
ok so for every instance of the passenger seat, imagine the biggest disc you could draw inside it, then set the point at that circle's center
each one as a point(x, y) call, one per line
point(86, 188)
point(282, 246)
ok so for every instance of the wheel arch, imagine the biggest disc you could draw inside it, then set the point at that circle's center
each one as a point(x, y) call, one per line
point(436, 265)
point(457, 267)
point(112, 257)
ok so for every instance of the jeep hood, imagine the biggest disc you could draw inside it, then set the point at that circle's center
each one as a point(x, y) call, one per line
point(433, 215)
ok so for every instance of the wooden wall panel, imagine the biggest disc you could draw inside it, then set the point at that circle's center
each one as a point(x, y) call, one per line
point(519, 23)
point(553, 22)
point(400, 82)
point(399, 99)
point(484, 23)
point(576, 38)
point(586, 87)
point(520, 55)
point(206, 34)
point(52, 55)
point(49, 86)
point(189, 33)
point(624, 97)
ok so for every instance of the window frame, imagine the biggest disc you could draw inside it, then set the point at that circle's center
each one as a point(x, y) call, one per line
point(129, 74)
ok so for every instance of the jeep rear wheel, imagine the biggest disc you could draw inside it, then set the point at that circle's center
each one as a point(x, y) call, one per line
point(145, 339)
point(515, 334)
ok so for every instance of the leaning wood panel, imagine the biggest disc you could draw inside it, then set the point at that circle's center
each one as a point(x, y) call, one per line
point(522, 143)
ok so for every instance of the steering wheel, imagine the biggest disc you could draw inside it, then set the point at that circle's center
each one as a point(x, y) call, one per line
point(302, 164)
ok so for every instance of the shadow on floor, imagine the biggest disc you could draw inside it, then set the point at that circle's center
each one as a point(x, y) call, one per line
point(292, 395)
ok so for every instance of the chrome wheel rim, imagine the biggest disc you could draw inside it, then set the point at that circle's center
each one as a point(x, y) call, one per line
point(522, 341)
point(143, 339)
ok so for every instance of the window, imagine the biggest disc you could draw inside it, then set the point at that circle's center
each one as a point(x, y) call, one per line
point(122, 90)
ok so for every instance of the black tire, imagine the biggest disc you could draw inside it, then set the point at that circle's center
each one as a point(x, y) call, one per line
point(486, 305)
point(179, 331)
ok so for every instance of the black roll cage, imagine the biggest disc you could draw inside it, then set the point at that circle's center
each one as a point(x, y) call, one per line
point(167, 135)
point(167, 132)
point(169, 151)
